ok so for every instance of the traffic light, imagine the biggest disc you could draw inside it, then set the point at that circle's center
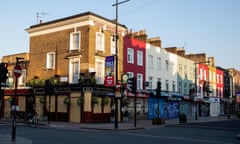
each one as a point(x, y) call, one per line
point(159, 89)
point(3, 72)
point(131, 84)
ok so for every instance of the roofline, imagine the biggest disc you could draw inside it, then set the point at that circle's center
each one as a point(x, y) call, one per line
point(72, 17)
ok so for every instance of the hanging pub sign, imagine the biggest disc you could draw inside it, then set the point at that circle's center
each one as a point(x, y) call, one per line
point(109, 71)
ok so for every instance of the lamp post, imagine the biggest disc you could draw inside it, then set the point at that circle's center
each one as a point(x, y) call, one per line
point(158, 93)
point(17, 73)
point(116, 59)
point(195, 92)
point(231, 94)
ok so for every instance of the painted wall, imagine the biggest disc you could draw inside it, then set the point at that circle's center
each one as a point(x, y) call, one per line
point(202, 78)
point(136, 45)
point(219, 83)
point(212, 80)
point(163, 73)
point(186, 74)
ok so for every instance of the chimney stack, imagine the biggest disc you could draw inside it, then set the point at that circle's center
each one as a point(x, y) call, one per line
point(156, 41)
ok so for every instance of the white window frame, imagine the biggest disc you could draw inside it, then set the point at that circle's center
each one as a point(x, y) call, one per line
point(130, 55)
point(150, 61)
point(112, 45)
point(75, 44)
point(50, 60)
point(99, 41)
point(100, 70)
point(139, 58)
point(167, 65)
point(139, 81)
point(73, 77)
point(130, 74)
point(159, 63)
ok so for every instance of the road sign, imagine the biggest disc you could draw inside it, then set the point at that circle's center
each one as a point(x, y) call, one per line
point(17, 71)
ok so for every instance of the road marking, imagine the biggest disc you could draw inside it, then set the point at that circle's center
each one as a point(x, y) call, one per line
point(180, 138)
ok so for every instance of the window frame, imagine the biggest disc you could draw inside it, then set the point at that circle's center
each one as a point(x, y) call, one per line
point(130, 55)
point(139, 81)
point(100, 73)
point(72, 61)
point(99, 41)
point(50, 60)
point(159, 63)
point(130, 74)
point(167, 65)
point(140, 58)
point(112, 45)
point(150, 61)
point(73, 40)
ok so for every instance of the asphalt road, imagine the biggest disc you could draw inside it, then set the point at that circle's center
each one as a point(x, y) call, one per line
point(222, 132)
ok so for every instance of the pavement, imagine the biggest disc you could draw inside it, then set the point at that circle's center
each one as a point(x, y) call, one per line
point(140, 124)
point(121, 126)
point(7, 139)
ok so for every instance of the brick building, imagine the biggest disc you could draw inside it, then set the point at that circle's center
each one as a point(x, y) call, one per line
point(22, 91)
point(68, 49)
point(69, 46)
point(11, 62)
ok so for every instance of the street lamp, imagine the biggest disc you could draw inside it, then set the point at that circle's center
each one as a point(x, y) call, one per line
point(116, 58)
point(231, 94)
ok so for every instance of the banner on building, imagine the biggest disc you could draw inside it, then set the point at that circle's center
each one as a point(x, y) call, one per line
point(109, 71)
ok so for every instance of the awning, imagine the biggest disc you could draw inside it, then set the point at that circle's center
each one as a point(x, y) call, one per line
point(153, 93)
point(169, 95)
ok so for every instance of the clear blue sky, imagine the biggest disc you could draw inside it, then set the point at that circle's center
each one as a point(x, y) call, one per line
point(201, 26)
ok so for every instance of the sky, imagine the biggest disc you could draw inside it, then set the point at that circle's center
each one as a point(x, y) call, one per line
point(200, 26)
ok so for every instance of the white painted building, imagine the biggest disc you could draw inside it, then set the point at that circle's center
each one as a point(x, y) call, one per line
point(161, 66)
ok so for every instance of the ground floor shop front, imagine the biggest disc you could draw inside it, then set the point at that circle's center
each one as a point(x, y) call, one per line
point(98, 105)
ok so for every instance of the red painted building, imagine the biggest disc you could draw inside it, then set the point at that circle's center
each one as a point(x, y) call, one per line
point(134, 60)
point(203, 79)
point(134, 64)
point(219, 83)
